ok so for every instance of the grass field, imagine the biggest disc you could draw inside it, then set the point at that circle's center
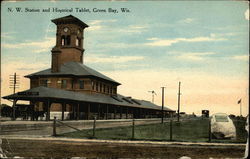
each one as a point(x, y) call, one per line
point(190, 130)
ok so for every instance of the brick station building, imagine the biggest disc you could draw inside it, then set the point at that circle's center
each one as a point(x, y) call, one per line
point(71, 90)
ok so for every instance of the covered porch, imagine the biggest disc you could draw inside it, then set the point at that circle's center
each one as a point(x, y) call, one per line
point(83, 106)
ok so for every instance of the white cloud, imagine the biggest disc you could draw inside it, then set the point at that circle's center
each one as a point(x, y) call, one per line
point(112, 59)
point(95, 28)
point(120, 45)
point(169, 42)
point(39, 46)
point(7, 35)
point(241, 57)
point(95, 25)
point(195, 56)
point(153, 38)
point(247, 14)
point(187, 20)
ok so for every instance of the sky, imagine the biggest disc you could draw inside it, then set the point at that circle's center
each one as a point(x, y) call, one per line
point(204, 45)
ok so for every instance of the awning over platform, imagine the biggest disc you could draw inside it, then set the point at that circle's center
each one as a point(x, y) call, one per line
point(46, 93)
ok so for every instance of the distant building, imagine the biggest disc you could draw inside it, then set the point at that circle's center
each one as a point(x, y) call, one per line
point(71, 90)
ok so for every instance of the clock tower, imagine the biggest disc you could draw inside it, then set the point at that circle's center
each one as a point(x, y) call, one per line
point(69, 41)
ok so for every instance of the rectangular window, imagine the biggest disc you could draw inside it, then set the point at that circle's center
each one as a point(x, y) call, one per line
point(104, 88)
point(81, 84)
point(44, 83)
point(96, 86)
point(93, 85)
point(72, 84)
point(64, 84)
point(100, 87)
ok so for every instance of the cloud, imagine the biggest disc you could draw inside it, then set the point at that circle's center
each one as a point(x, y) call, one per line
point(169, 42)
point(7, 35)
point(120, 45)
point(112, 59)
point(187, 20)
point(39, 46)
point(95, 25)
point(247, 14)
point(241, 57)
point(194, 56)
point(102, 25)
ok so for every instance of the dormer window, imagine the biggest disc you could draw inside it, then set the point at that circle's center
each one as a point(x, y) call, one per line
point(81, 84)
point(64, 84)
point(44, 83)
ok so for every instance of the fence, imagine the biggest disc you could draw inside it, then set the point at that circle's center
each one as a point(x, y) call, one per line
point(194, 129)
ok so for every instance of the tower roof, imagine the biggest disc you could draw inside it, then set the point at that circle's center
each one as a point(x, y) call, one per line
point(70, 19)
point(73, 69)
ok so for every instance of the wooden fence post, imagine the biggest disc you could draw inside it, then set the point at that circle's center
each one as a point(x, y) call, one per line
point(171, 130)
point(94, 125)
point(54, 127)
point(133, 128)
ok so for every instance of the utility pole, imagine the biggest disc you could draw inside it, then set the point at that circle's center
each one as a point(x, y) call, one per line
point(162, 108)
point(179, 94)
point(153, 93)
point(14, 83)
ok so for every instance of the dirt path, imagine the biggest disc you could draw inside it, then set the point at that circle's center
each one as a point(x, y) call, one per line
point(60, 148)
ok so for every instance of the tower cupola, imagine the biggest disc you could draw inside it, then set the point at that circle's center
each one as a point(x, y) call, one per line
point(69, 41)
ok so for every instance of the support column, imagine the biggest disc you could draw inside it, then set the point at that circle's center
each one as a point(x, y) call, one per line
point(127, 113)
point(14, 109)
point(120, 112)
point(88, 111)
point(114, 112)
point(63, 109)
point(78, 111)
point(48, 111)
point(32, 113)
point(99, 106)
point(75, 110)
point(107, 111)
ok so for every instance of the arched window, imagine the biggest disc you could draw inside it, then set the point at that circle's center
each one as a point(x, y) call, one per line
point(63, 40)
point(67, 40)
point(78, 41)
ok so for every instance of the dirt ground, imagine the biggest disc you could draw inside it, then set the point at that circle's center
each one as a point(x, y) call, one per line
point(63, 149)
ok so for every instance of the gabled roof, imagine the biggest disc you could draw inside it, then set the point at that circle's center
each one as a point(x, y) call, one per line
point(73, 69)
point(54, 93)
point(70, 19)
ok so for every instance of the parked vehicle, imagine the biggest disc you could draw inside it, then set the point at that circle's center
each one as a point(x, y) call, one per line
point(222, 126)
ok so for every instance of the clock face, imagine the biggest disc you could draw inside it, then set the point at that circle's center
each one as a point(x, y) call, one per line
point(66, 29)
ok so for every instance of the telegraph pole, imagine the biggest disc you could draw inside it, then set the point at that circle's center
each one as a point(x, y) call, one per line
point(179, 94)
point(162, 108)
point(14, 83)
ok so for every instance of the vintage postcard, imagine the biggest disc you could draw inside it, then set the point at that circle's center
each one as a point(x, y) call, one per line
point(133, 79)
